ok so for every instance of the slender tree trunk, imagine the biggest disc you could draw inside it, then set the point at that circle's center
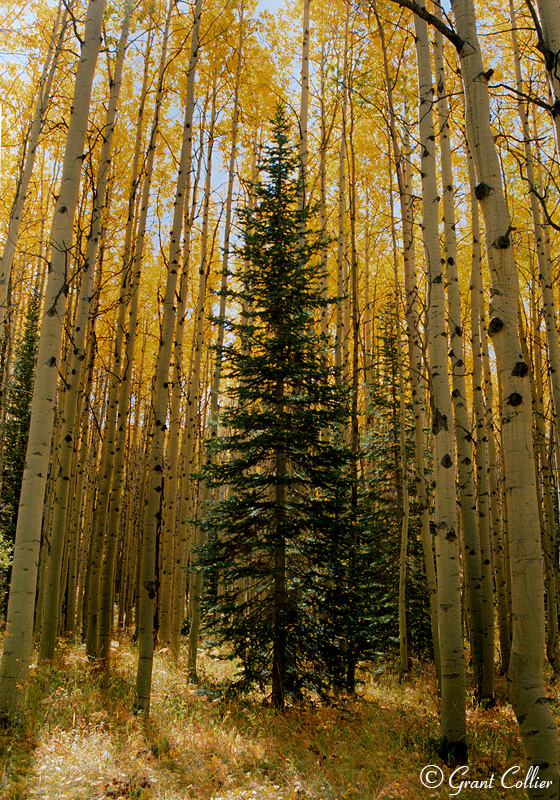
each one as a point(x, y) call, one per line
point(216, 378)
point(279, 656)
point(415, 352)
point(486, 475)
point(476, 550)
point(198, 339)
point(70, 393)
point(453, 690)
point(160, 398)
point(17, 643)
point(525, 672)
point(403, 459)
point(340, 330)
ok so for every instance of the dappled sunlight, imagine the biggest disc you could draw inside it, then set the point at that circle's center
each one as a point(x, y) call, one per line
point(84, 743)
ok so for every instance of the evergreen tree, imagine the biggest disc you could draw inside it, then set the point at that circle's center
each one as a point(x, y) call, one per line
point(17, 430)
point(279, 459)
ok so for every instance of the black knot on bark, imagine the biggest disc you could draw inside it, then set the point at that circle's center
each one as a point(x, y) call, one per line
point(439, 422)
point(458, 330)
point(481, 191)
point(151, 588)
point(520, 370)
point(455, 393)
point(446, 461)
point(503, 242)
point(514, 399)
point(495, 326)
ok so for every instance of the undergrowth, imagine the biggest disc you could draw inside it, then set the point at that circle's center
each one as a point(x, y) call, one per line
point(79, 739)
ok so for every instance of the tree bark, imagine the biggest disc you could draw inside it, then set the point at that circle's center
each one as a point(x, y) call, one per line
point(453, 690)
point(17, 643)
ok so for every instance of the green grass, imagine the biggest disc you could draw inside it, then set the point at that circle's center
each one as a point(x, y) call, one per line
point(80, 740)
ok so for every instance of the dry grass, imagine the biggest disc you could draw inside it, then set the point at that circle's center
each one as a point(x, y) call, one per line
point(81, 741)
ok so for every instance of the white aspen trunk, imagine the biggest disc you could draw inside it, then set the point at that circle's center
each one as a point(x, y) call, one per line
point(304, 103)
point(453, 689)
point(403, 458)
point(525, 672)
point(160, 398)
point(489, 519)
point(186, 505)
point(354, 321)
point(403, 170)
point(196, 586)
point(324, 326)
point(543, 257)
point(216, 378)
point(548, 32)
point(132, 264)
point(543, 480)
point(18, 640)
point(103, 493)
point(71, 385)
point(340, 337)
point(476, 547)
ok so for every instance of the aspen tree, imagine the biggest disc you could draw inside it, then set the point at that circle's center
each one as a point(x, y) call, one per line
point(17, 643)
point(543, 259)
point(476, 549)
point(160, 397)
point(354, 424)
point(131, 285)
point(546, 507)
point(174, 549)
point(341, 332)
point(487, 502)
point(70, 392)
point(131, 276)
point(216, 377)
point(192, 410)
point(547, 25)
point(304, 102)
point(452, 714)
point(525, 673)
point(415, 357)
point(403, 458)
point(537, 726)
point(179, 576)
point(323, 192)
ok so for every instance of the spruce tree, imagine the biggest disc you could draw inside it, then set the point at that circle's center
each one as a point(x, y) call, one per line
point(279, 465)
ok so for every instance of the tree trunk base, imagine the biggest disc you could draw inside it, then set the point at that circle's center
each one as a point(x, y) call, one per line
point(453, 754)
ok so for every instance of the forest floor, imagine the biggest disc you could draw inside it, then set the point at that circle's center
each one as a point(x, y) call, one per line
point(80, 740)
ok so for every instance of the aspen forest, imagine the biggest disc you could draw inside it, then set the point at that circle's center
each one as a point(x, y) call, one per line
point(279, 399)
